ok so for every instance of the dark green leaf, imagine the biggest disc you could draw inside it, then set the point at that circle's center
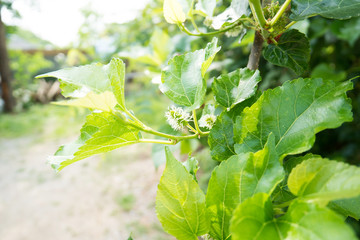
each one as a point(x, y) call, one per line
point(221, 138)
point(254, 219)
point(235, 87)
point(338, 9)
point(347, 30)
point(347, 207)
point(292, 51)
point(237, 179)
point(294, 113)
point(183, 79)
point(180, 203)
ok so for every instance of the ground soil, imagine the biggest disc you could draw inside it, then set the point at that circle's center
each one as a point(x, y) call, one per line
point(85, 201)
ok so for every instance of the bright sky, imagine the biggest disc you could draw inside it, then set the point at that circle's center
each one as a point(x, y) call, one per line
point(59, 20)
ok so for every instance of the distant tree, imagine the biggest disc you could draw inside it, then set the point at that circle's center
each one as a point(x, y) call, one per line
point(5, 72)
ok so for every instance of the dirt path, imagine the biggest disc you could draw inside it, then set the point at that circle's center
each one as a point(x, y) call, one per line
point(99, 198)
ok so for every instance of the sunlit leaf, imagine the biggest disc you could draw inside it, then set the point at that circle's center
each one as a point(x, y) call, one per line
point(105, 101)
point(255, 219)
point(79, 81)
point(322, 180)
point(235, 87)
point(102, 132)
point(180, 203)
point(183, 79)
point(173, 12)
point(237, 179)
point(294, 113)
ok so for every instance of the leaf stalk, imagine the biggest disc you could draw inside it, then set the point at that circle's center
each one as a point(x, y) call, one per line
point(280, 13)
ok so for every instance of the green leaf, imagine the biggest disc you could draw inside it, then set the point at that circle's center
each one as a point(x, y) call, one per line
point(237, 179)
point(161, 45)
point(347, 30)
point(180, 203)
point(254, 219)
point(292, 51)
point(92, 84)
point(294, 113)
point(347, 207)
point(221, 138)
point(322, 180)
point(105, 101)
point(102, 132)
point(183, 79)
point(116, 73)
point(327, 71)
point(78, 81)
point(282, 193)
point(338, 9)
point(235, 87)
point(192, 166)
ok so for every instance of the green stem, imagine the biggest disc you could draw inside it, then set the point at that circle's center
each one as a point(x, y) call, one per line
point(234, 24)
point(191, 128)
point(142, 127)
point(157, 141)
point(258, 13)
point(196, 122)
point(280, 12)
point(289, 25)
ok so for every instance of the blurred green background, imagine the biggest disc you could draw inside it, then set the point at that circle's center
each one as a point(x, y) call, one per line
point(111, 196)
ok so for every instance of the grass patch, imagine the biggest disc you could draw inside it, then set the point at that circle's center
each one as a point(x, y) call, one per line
point(125, 202)
point(42, 120)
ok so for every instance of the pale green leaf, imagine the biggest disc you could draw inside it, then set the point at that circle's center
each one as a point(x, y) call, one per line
point(105, 101)
point(206, 6)
point(78, 81)
point(235, 87)
point(192, 166)
point(180, 203)
point(237, 9)
point(161, 45)
point(183, 79)
point(255, 219)
point(173, 12)
point(338, 9)
point(237, 179)
point(116, 73)
point(102, 132)
point(322, 180)
point(94, 82)
point(292, 51)
point(294, 113)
